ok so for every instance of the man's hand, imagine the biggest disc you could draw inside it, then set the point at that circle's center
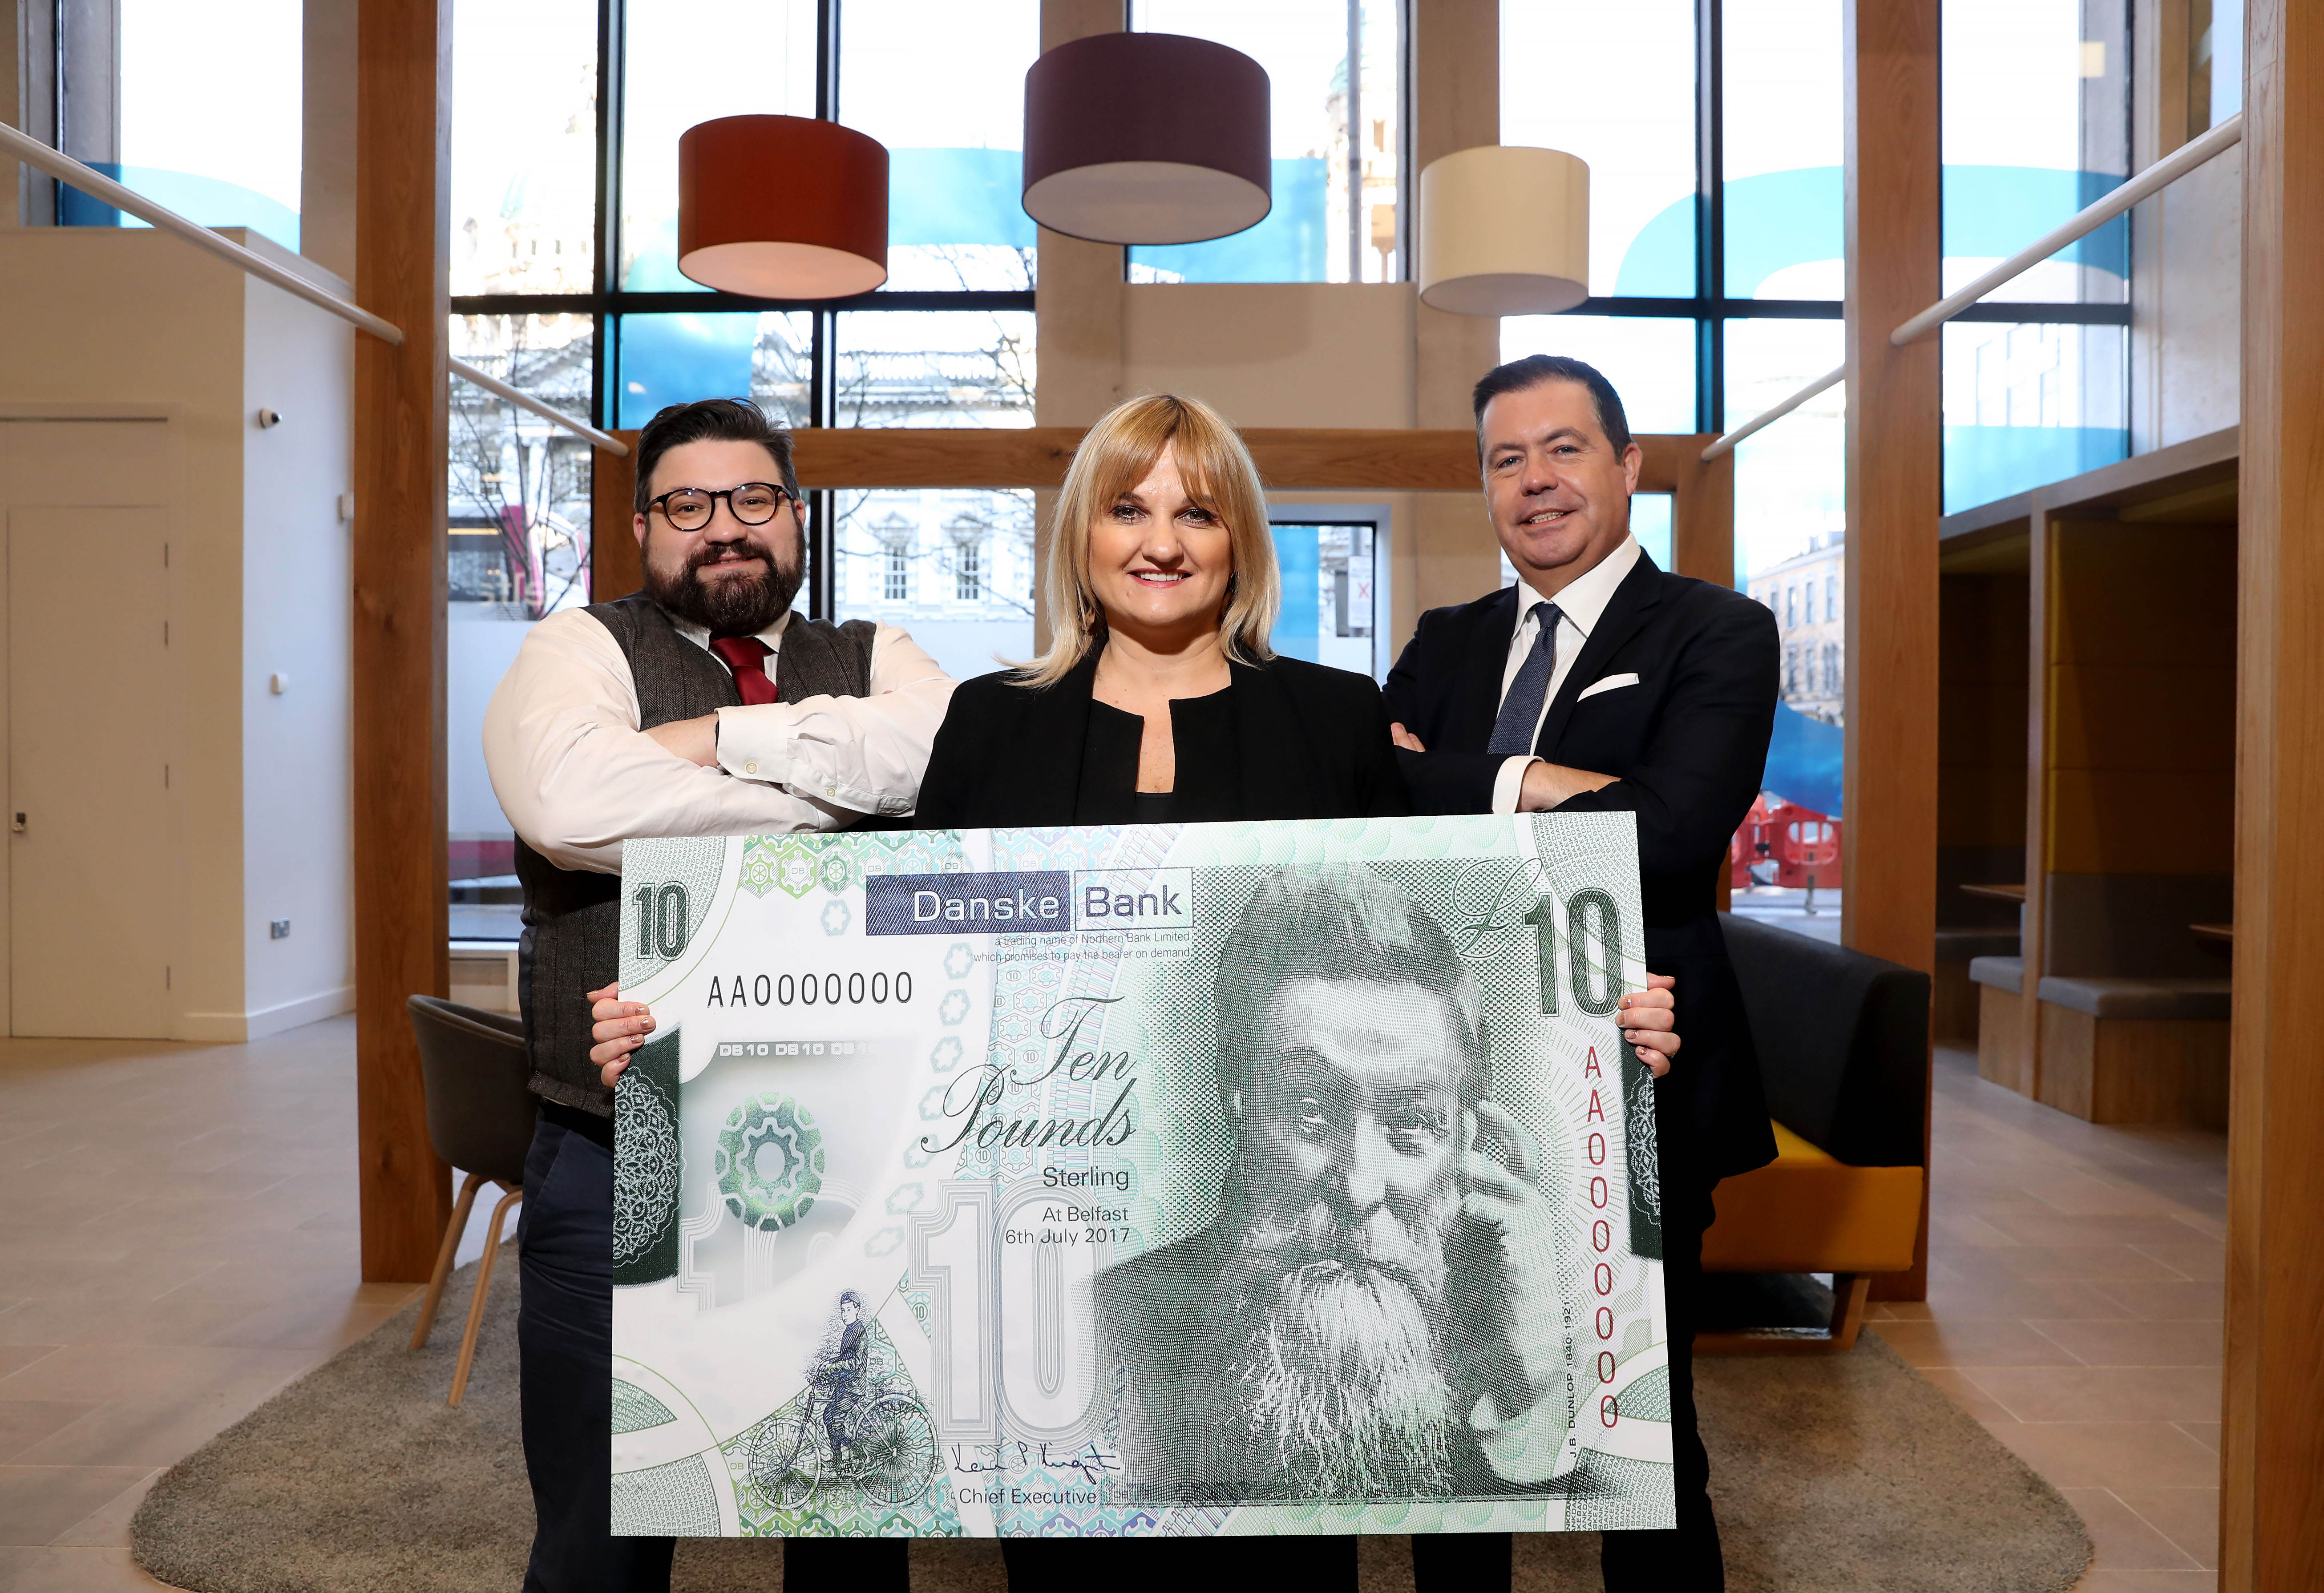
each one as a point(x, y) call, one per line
point(1505, 1259)
point(1548, 784)
point(1646, 1020)
point(620, 1027)
point(694, 740)
point(1405, 739)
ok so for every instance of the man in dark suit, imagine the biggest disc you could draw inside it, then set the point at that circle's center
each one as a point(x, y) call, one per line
point(1600, 684)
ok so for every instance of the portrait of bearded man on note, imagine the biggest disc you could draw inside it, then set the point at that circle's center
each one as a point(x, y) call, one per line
point(1375, 1312)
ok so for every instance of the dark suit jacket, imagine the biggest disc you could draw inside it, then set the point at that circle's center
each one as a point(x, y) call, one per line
point(1287, 740)
point(1688, 746)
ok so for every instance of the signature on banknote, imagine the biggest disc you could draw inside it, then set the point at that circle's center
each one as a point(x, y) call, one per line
point(1089, 1461)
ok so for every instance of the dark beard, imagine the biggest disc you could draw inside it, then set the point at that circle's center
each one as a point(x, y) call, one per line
point(1338, 1387)
point(733, 605)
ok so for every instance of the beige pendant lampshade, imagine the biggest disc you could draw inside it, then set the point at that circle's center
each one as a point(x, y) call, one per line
point(1505, 230)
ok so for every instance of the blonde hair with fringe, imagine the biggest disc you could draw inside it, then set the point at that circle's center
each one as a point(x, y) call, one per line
point(1115, 455)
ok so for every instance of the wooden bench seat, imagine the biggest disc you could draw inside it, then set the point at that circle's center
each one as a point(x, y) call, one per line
point(2136, 1050)
point(2000, 1024)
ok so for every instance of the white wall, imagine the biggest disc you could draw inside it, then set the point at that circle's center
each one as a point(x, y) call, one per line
point(300, 363)
point(133, 316)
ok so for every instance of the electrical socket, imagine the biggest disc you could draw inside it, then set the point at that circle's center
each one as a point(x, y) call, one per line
point(279, 929)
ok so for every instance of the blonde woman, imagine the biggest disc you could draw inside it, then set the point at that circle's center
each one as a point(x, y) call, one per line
point(1159, 700)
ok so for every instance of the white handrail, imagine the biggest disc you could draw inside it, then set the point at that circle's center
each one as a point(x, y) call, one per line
point(2144, 186)
point(525, 401)
point(1726, 444)
point(97, 185)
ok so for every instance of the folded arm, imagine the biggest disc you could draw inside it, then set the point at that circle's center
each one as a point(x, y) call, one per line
point(577, 776)
point(866, 753)
point(1439, 782)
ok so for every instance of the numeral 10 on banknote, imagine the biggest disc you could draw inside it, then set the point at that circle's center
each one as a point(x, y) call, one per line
point(1180, 1179)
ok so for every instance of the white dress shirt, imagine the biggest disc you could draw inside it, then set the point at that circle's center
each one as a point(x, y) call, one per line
point(577, 776)
point(1578, 609)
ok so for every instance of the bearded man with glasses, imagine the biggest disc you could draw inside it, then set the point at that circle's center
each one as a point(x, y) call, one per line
point(701, 706)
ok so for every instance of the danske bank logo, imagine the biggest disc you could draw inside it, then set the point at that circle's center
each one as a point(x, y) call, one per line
point(1047, 902)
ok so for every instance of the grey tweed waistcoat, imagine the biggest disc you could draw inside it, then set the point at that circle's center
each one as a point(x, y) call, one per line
point(572, 942)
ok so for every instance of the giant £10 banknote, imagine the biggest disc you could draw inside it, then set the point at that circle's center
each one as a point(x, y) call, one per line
point(1165, 1180)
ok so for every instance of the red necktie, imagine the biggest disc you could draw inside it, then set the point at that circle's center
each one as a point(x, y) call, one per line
point(746, 656)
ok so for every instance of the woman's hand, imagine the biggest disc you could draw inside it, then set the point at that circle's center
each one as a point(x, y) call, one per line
point(622, 1027)
point(1646, 1018)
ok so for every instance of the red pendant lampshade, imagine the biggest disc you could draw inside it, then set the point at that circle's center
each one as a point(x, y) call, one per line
point(782, 207)
point(1146, 138)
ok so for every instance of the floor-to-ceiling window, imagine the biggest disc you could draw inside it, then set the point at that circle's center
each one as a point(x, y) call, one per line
point(566, 120)
point(1335, 76)
point(1714, 132)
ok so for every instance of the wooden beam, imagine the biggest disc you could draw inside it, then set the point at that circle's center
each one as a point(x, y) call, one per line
point(1291, 459)
point(2271, 1533)
point(1300, 459)
point(1895, 495)
point(402, 119)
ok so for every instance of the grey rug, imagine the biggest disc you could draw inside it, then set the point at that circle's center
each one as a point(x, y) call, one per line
point(1831, 1473)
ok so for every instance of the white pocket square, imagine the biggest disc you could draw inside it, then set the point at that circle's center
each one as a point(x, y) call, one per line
point(1609, 684)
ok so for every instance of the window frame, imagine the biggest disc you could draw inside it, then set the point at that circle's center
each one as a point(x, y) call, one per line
point(606, 303)
point(1710, 307)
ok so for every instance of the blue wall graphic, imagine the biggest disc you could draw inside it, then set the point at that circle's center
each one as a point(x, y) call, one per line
point(1804, 762)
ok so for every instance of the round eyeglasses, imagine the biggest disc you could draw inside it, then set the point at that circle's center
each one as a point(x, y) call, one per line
point(689, 509)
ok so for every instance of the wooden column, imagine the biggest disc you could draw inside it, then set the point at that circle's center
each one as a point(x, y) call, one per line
point(1077, 304)
point(1456, 87)
point(1703, 514)
point(2271, 1533)
point(403, 160)
point(1895, 496)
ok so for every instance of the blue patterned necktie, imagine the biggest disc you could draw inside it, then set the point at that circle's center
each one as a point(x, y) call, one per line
point(1520, 720)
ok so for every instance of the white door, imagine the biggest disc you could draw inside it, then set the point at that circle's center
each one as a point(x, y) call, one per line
point(92, 820)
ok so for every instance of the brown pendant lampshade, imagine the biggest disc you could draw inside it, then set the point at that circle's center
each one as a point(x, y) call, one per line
point(1146, 138)
point(782, 207)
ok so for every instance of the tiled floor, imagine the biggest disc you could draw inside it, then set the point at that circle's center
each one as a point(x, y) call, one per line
point(2075, 1285)
point(180, 1243)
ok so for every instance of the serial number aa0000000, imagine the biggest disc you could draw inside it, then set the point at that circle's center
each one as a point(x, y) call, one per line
point(857, 988)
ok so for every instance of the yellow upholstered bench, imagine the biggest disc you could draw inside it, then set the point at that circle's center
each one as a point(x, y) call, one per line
point(1807, 1212)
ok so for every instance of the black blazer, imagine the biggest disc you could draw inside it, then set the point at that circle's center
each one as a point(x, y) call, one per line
point(1688, 746)
point(1287, 740)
